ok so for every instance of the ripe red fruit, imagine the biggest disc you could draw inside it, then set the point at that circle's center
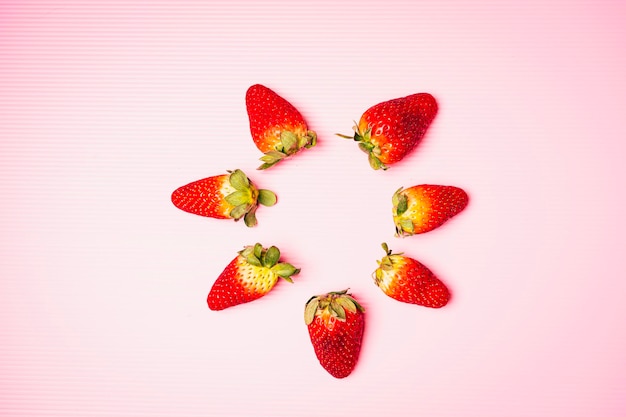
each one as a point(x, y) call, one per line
point(335, 322)
point(406, 279)
point(422, 208)
point(249, 276)
point(227, 196)
point(388, 131)
point(277, 127)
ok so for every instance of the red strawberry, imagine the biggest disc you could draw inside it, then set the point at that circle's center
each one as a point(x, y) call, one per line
point(227, 196)
point(335, 322)
point(277, 127)
point(251, 275)
point(407, 280)
point(388, 131)
point(422, 208)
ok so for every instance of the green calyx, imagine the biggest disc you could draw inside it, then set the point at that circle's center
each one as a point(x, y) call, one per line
point(386, 263)
point(289, 144)
point(404, 225)
point(333, 303)
point(269, 258)
point(400, 202)
point(364, 140)
point(246, 198)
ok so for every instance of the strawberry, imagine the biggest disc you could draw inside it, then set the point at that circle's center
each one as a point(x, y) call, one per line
point(227, 196)
point(249, 276)
point(422, 208)
point(335, 322)
point(388, 131)
point(277, 127)
point(409, 281)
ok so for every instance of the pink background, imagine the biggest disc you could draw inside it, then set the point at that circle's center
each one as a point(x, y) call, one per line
point(107, 106)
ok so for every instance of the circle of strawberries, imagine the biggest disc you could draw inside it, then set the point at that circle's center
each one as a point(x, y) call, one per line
point(386, 132)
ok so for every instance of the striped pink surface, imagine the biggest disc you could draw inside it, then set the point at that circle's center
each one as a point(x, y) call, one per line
point(107, 106)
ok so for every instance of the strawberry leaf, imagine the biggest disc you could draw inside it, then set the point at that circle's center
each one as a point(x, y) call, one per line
point(375, 162)
point(378, 274)
point(238, 180)
point(238, 198)
point(289, 141)
point(239, 211)
point(365, 147)
point(266, 198)
point(338, 310)
point(285, 270)
point(396, 196)
point(258, 250)
point(310, 310)
point(253, 260)
point(347, 304)
point(407, 226)
point(386, 248)
point(250, 218)
point(272, 156)
point(402, 205)
point(271, 256)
